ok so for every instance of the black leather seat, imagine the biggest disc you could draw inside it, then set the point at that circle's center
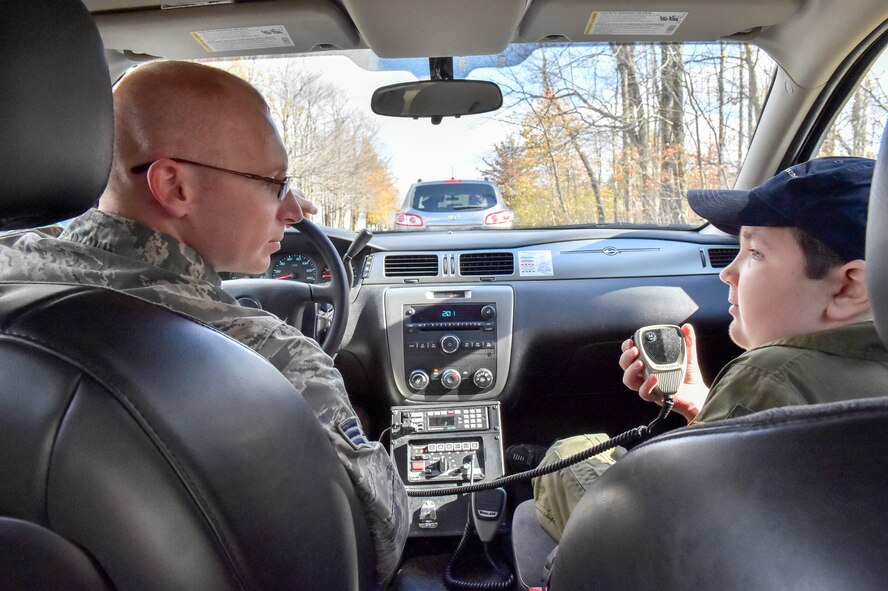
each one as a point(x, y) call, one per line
point(139, 449)
point(793, 498)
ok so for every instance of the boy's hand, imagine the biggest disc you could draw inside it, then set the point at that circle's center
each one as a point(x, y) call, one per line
point(692, 393)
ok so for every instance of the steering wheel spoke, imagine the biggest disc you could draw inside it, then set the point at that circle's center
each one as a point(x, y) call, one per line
point(290, 300)
point(324, 294)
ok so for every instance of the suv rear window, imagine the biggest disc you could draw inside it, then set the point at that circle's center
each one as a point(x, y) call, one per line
point(453, 197)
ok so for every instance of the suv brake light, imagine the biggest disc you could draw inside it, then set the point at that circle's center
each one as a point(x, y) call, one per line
point(498, 217)
point(407, 219)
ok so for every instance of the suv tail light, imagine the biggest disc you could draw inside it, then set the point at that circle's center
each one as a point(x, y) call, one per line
point(407, 219)
point(498, 217)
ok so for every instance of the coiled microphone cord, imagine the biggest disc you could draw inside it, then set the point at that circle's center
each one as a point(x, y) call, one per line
point(506, 577)
point(637, 434)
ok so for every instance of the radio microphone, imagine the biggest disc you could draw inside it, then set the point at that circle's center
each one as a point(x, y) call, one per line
point(662, 349)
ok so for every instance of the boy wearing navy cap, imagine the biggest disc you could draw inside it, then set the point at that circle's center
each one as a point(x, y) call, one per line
point(797, 296)
point(799, 305)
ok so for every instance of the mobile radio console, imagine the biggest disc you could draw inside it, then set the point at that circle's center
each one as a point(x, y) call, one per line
point(445, 446)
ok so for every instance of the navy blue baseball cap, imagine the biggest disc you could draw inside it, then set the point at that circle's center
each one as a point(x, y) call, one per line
point(825, 197)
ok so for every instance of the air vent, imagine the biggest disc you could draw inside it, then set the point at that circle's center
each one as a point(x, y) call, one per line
point(486, 263)
point(411, 265)
point(722, 257)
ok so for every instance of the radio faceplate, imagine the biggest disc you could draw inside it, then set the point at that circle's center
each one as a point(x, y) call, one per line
point(449, 345)
point(446, 420)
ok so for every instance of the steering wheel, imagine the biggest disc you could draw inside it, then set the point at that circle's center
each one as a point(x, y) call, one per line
point(290, 300)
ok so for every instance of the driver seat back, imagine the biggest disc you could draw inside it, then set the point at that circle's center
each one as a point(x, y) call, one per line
point(140, 449)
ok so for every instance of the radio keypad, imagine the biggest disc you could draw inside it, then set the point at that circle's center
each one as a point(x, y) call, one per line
point(468, 419)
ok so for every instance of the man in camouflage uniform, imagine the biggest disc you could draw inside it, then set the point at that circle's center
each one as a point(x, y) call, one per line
point(175, 213)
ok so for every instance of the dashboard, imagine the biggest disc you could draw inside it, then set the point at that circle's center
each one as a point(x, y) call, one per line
point(561, 301)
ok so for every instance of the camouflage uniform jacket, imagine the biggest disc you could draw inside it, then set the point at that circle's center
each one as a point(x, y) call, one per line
point(105, 250)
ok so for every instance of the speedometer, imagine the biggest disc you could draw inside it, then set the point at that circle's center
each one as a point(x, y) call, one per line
point(297, 267)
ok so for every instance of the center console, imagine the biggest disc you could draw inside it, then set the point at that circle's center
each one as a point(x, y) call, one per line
point(450, 348)
point(437, 446)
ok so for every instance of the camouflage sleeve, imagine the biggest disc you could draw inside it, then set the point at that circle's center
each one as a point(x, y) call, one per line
point(377, 483)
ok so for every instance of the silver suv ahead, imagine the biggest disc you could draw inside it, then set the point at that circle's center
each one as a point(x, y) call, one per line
point(453, 205)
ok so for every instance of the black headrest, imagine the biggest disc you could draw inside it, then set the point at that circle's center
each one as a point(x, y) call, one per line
point(56, 115)
point(877, 241)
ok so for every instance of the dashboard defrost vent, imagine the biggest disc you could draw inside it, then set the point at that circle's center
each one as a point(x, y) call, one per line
point(721, 257)
point(411, 265)
point(486, 263)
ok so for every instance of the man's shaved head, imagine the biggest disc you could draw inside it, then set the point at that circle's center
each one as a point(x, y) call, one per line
point(184, 110)
point(164, 109)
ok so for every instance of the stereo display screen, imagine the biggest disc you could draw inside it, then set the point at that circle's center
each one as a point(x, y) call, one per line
point(447, 313)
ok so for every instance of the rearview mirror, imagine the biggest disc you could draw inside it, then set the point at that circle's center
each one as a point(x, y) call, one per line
point(436, 99)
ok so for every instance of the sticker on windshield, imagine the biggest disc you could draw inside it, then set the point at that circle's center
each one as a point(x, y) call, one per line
point(634, 23)
point(535, 263)
point(241, 38)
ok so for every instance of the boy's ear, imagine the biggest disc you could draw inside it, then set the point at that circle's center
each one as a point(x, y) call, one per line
point(849, 299)
point(168, 187)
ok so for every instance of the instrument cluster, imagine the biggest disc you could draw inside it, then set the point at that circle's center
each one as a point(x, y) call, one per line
point(298, 266)
point(295, 266)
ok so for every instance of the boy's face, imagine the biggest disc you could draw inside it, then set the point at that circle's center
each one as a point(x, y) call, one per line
point(771, 297)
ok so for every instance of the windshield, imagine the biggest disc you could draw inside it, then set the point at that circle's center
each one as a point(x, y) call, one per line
point(589, 134)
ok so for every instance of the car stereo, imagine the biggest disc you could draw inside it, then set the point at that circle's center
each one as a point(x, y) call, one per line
point(449, 344)
point(451, 347)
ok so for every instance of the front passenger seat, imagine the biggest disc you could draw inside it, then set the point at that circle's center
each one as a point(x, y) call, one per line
point(139, 448)
point(791, 498)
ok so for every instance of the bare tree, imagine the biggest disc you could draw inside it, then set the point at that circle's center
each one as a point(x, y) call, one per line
point(328, 143)
point(671, 132)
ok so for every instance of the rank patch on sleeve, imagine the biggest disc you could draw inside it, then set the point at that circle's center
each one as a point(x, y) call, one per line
point(351, 431)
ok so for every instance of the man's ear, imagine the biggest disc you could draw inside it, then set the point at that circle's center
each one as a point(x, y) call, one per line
point(167, 182)
point(849, 299)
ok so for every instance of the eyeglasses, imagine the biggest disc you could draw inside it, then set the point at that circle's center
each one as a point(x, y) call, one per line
point(284, 183)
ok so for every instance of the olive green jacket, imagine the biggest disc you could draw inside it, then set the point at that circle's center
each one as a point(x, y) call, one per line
point(838, 364)
point(842, 363)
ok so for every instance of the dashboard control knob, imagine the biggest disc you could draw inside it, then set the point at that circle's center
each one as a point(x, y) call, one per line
point(418, 379)
point(450, 379)
point(488, 312)
point(449, 343)
point(483, 378)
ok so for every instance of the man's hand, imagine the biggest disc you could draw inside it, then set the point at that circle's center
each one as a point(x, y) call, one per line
point(308, 208)
point(692, 393)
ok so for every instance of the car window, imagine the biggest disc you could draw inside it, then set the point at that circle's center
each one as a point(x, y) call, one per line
point(453, 197)
point(589, 134)
point(858, 128)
